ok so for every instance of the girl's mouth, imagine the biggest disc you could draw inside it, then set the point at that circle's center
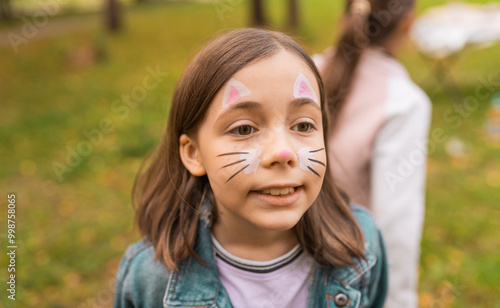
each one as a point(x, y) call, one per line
point(279, 196)
point(285, 191)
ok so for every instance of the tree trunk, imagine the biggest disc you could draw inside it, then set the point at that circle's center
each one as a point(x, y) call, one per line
point(5, 10)
point(113, 15)
point(293, 11)
point(258, 13)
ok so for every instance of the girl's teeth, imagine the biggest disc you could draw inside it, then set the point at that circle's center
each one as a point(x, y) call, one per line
point(279, 191)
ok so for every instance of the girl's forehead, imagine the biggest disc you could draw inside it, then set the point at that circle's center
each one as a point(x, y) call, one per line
point(272, 82)
point(274, 75)
point(280, 65)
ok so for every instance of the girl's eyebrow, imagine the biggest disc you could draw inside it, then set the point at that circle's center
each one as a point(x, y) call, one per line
point(241, 105)
point(302, 101)
point(251, 105)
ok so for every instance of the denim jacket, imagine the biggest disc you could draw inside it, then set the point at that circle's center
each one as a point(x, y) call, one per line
point(143, 282)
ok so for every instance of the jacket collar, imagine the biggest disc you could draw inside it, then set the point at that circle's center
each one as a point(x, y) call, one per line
point(194, 284)
point(348, 275)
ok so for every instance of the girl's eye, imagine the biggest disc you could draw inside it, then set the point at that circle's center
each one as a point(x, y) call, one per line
point(243, 130)
point(304, 127)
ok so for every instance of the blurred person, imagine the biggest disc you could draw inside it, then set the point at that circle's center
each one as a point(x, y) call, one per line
point(236, 205)
point(378, 137)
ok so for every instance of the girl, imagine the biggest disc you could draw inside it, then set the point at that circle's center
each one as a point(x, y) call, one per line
point(236, 205)
point(378, 140)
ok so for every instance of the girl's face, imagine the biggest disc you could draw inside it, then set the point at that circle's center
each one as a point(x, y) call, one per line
point(261, 145)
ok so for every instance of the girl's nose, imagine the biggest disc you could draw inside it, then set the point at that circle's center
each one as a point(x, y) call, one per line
point(278, 153)
point(285, 153)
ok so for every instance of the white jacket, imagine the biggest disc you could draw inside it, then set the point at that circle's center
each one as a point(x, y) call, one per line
point(377, 153)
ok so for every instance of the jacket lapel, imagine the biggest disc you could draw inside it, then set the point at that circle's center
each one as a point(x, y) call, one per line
point(331, 285)
point(196, 285)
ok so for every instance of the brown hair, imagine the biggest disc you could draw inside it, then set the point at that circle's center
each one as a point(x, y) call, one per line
point(366, 23)
point(168, 198)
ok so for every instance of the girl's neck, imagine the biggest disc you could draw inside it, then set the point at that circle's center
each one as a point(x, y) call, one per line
point(397, 40)
point(384, 51)
point(393, 46)
point(254, 244)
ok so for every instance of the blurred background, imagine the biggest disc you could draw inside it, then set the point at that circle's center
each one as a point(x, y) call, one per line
point(85, 88)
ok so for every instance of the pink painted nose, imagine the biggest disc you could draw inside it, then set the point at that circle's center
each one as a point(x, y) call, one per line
point(285, 153)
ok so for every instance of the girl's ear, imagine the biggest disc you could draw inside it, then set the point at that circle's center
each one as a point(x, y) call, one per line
point(190, 156)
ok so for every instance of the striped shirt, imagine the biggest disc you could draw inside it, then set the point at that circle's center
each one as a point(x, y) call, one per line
point(281, 282)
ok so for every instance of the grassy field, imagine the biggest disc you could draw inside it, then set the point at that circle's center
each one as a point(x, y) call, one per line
point(74, 224)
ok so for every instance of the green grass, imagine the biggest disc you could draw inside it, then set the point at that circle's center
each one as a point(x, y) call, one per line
point(71, 234)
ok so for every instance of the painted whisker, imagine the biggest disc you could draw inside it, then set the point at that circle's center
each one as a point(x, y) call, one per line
point(313, 171)
point(232, 153)
point(236, 162)
point(317, 161)
point(232, 176)
point(249, 159)
point(307, 160)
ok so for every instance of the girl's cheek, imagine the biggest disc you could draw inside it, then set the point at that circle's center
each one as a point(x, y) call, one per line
point(312, 160)
point(237, 163)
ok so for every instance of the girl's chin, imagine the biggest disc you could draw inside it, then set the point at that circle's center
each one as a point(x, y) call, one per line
point(278, 223)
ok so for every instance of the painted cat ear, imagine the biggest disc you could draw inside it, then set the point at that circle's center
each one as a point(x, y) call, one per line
point(234, 91)
point(302, 88)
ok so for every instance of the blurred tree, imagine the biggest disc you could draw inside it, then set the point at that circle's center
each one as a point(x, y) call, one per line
point(113, 15)
point(258, 19)
point(293, 11)
point(5, 9)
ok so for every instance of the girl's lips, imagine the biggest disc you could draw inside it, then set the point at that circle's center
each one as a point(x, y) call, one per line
point(278, 196)
point(276, 191)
